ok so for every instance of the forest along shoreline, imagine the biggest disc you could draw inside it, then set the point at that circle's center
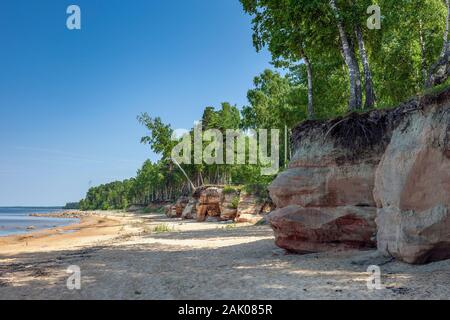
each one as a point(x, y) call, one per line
point(224, 205)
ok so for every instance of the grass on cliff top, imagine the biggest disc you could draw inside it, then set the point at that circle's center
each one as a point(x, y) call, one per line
point(232, 189)
point(259, 189)
point(437, 89)
point(360, 131)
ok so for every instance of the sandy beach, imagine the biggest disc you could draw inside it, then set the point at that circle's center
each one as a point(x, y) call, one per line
point(126, 256)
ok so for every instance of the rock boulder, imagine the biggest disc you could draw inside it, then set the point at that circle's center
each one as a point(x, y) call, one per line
point(190, 211)
point(209, 200)
point(412, 188)
point(180, 205)
point(307, 230)
point(325, 198)
point(249, 208)
point(229, 205)
point(171, 211)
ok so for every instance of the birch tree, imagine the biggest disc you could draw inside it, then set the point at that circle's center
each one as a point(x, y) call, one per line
point(355, 101)
point(280, 25)
point(439, 72)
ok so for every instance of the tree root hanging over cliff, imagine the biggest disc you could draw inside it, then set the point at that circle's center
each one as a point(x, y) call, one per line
point(365, 132)
point(359, 132)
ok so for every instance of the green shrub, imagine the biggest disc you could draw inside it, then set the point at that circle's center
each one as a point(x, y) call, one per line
point(161, 210)
point(151, 209)
point(437, 89)
point(72, 206)
point(230, 190)
point(261, 222)
point(147, 210)
point(230, 226)
point(235, 202)
point(162, 228)
point(258, 189)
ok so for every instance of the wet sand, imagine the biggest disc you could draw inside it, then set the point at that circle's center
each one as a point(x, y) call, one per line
point(92, 228)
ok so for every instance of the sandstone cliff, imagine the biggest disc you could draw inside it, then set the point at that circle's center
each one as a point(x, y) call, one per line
point(376, 179)
point(218, 203)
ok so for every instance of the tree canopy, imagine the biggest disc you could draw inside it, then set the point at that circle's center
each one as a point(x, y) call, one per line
point(328, 62)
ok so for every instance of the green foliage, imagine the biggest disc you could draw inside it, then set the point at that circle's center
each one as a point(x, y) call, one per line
point(400, 57)
point(160, 138)
point(235, 202)
point(261, 222)
point(231, 189)
point(230, 227)
point(408, 44)
point(400, 54)
point(161, 210)
point(72, 206)
point(112, 196)
point(437, 89)
point(258, 189)
point(147, 210)
point(276, 102)
point(162, 228)
point(157, 182)
point(154, 209)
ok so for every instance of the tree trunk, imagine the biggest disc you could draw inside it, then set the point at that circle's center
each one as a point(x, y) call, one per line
point(423, 53)
point(350, 59)
point(201, 179)
point(445, 46)
point(368, 82)
point(439, 72)
point(309, 71)
point(358, 76)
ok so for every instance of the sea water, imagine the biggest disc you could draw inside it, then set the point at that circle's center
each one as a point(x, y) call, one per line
point(18, 220)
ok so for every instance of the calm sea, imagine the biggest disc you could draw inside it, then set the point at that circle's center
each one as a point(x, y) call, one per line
point(16, 220)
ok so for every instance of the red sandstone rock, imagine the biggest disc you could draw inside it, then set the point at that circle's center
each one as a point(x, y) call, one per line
point(334, 186)
point(209, 201)
point(228, 208)
point(307, 230)
point(171, 211)
point(181, 205)
point(413, 189)
point(325, 197)
point(190, 211)
point(249, 208)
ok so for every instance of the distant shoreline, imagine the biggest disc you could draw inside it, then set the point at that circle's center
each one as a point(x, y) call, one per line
point(89, 225)
point(31, 207)
point(16, 221)
point(66, 214)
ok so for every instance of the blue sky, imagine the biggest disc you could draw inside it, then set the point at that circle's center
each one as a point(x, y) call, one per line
point(69, 99)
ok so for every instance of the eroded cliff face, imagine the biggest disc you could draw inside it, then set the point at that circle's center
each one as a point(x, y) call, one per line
point(325, 197)
point(375, 179)
point(213, 203)
point(412, 189)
